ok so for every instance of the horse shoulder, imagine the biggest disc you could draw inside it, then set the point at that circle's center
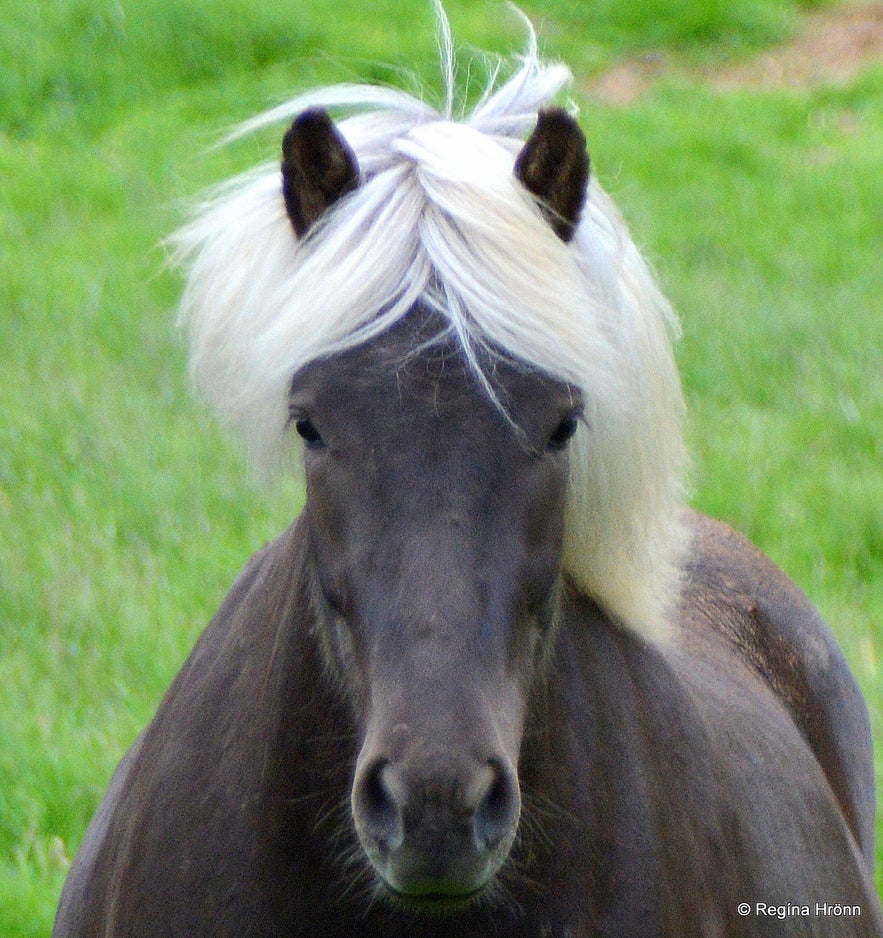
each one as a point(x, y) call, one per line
point(769, 624)
point(184, 791)
point(745, 734)
point(73, 905)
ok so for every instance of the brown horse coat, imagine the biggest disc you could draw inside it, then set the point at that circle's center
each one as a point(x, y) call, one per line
point(668, 786)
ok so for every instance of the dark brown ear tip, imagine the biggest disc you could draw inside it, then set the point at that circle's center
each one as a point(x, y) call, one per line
point(564, 136)
point(318, 167)
point(558, 118)
point(310, 124)
point(554, 166)
point(317, 116)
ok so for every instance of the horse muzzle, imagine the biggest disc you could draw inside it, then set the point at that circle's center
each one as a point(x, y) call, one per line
point(436, 829)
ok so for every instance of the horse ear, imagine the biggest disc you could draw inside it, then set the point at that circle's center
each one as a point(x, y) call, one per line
point(554, 166)
point(318, 167)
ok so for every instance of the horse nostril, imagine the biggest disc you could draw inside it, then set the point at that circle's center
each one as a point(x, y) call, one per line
point(376, 809)
point(497, 816)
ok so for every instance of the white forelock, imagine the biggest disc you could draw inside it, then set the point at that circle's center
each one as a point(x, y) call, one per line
point(439, 216)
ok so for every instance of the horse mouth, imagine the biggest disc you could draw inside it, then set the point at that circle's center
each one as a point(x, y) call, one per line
point(433, 898)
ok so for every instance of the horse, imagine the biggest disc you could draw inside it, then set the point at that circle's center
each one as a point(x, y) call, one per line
point(496, 679)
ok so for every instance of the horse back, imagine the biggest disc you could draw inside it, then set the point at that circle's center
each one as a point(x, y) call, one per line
point(737, 595)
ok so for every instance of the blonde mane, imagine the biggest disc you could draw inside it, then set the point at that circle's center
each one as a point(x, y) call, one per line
point(440, 217)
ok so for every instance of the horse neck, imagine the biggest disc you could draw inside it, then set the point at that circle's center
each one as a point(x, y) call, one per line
point(623, 749)
point(309, 727)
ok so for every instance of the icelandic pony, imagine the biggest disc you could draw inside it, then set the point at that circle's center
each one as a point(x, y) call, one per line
point(495, 680)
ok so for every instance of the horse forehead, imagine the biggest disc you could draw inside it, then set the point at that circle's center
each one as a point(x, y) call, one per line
point(418, 368)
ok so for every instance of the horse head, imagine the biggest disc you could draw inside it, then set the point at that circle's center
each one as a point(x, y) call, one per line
point(435, 512)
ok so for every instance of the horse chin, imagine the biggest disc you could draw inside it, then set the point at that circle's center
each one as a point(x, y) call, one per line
point(432, 900)
point(433, 895)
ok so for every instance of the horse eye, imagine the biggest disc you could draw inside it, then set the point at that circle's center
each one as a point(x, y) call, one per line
point(307, 431)
point(563, 432)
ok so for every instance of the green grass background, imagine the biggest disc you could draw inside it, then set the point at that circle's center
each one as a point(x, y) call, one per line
point(124, 515)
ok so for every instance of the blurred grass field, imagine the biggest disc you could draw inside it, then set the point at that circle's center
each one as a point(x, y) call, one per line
point(124, 515)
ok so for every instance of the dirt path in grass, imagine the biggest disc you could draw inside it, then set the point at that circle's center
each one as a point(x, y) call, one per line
point(832, 47)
